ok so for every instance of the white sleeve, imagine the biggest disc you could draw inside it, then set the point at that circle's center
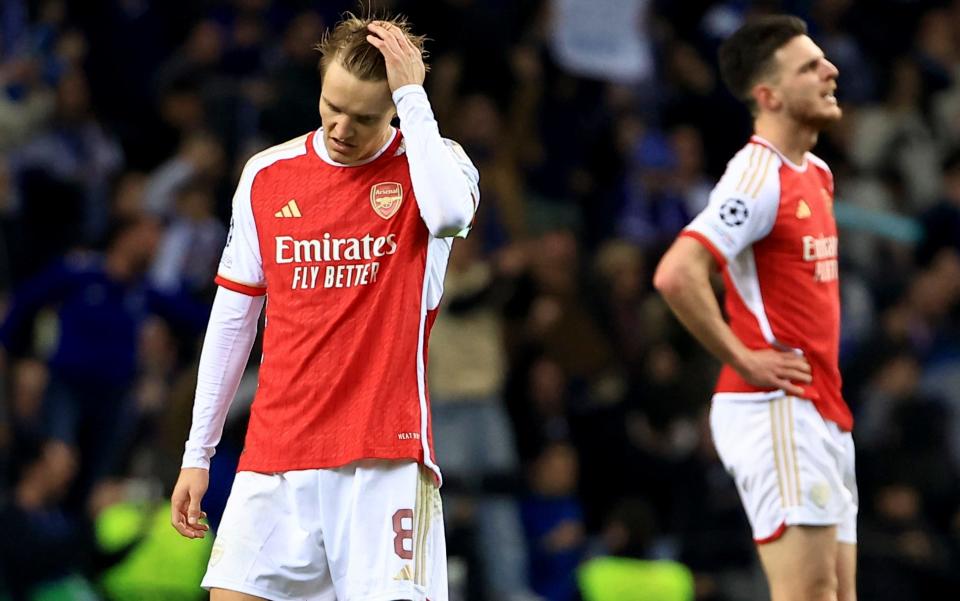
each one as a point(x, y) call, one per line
point(444, 179)
point(226, 348)
point(743, 206)
point(241, 266)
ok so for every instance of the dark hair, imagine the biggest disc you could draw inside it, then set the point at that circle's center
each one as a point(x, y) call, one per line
point(747, 55)
point(347, 44)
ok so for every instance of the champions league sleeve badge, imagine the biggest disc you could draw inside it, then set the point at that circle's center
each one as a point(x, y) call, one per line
point(733, 212)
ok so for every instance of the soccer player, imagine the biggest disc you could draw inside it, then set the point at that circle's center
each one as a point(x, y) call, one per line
point(347, 231)
point(778, 420)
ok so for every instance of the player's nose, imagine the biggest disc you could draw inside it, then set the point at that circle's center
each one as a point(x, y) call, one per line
point(342, 128)
point(830, 70)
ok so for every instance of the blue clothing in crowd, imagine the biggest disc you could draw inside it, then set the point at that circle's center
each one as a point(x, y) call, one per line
point(99, 319)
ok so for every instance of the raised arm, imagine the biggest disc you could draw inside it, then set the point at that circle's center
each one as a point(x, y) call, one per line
point(444, 179)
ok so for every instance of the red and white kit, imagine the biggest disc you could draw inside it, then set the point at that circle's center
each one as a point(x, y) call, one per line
point(351, 260)
point(770, 225)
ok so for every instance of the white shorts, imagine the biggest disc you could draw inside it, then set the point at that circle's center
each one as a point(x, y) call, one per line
point(368, 531)
point(791, 466)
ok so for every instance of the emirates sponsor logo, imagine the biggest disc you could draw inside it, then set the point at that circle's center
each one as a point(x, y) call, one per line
point(328, 248)
point(822, 251)
point(818, 248)
point(349, 262)
point(385, 198)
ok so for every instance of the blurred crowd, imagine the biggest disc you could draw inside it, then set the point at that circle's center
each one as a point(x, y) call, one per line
point(569, 407)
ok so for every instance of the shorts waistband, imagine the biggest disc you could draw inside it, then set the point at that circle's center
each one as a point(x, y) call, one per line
point(751, 397)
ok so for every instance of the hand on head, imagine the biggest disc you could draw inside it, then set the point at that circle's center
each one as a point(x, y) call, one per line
point(404, 60)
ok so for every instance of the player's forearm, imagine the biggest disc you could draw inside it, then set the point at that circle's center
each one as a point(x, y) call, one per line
point(226, 348)
point(687, 291)
point(443, 191)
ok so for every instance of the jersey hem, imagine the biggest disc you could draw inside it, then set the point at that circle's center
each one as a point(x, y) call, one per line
point(267, 467)
point(843, 422)
point(238, 287)
point(717, 255)
point(748, 397)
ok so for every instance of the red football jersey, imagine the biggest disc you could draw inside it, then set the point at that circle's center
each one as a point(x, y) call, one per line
point(353, 279)
point(770, 223)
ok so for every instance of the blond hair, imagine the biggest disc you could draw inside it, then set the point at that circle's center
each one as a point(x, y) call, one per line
point(347, 44)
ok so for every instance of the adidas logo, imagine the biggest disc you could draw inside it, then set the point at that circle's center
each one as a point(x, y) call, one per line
point(405, 574)
point(803, 210)
point(289, 210)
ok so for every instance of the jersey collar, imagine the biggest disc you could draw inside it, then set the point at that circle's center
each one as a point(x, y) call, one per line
point(765, 142)
point(321, 149)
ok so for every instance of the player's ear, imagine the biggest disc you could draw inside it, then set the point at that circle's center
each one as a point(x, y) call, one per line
point(766, 96)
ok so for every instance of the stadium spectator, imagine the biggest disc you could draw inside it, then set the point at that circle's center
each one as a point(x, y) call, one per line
point(100, 302)
point(471, 425)
point(554, 523)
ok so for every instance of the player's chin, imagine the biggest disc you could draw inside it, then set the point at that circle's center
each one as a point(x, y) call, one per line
point(339, 156)
point(826, 117)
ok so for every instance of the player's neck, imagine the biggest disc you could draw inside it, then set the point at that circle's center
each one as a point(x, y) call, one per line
point(385, 138)
point(792, 140)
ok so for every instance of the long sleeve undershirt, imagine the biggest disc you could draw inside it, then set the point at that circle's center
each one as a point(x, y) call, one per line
point(444, 179)
point(226, 348)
